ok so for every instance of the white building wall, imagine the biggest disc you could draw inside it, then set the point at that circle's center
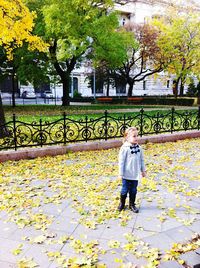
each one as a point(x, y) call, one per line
point(84, 87)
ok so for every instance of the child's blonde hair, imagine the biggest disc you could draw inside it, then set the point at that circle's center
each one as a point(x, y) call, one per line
point(127, 132)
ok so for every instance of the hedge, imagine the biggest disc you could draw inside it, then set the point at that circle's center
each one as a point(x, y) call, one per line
point(151, 100)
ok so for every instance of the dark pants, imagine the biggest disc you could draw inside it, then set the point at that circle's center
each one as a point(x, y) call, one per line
point(129, 186)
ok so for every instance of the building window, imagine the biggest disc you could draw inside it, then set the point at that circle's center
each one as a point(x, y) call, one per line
point(99, 82)
point(144, 85)
point(168, 81)
point(6, 85)
point(75, 85)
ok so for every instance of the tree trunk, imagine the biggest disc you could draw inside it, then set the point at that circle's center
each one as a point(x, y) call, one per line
point(130, 89)
point(3, 131)
point(175, 87)
point(66, 85)
point(65, 79)
point(64, 74)
point(108, 87)
point(182, 88)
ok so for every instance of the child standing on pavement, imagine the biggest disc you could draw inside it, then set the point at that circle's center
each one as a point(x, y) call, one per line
point(131, 167)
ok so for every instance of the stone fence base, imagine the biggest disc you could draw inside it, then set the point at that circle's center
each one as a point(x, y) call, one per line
point(31, 153)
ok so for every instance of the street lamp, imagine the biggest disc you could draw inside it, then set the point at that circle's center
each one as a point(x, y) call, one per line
point(72, 85)
point(13, 88)
point(55, 90)
point(11, 72)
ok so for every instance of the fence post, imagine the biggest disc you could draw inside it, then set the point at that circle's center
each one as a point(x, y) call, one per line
point(141, 122)
point(15, 131)
point(172, 118)
point(124, 125)
point(41, 142)
point(198, 116)
point(64, 128)
point(157, 122)
point(86, 128)
point(106, 124)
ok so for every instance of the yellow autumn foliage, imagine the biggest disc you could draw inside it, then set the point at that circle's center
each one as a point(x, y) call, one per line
point(16, 25)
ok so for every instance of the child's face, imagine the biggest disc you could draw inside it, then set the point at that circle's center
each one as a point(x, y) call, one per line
point(133, 137)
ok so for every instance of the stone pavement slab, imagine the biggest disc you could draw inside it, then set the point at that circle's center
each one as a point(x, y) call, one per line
point(170, 264)
point(38, 253)
point(195, 227)
point(115, 232)
point(64, 224)
point(151, 224)
point(181, 234)
point(93, 233)
point(170, 224)
point(7, 265)
point(161, 241)
point(7, 246)
point(192, 259)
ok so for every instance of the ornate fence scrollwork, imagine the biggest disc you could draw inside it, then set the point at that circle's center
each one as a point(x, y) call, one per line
point(65, 129)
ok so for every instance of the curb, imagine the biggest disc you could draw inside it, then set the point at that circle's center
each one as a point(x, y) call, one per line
point(32, 153)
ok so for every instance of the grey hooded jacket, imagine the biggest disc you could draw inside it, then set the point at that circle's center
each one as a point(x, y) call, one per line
point(131, 161)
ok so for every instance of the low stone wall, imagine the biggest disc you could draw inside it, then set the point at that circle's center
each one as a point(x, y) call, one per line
point(31, 153)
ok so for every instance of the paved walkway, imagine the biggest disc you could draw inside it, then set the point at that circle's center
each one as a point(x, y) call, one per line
point(51, 202)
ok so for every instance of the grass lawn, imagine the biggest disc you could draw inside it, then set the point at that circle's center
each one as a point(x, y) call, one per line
point(29, 113)
point(73, 109)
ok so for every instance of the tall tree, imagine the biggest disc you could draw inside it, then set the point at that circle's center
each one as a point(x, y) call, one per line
point(16, 25)
point(179, 41)
point(31, 66)
point(73, 32)
point(143, 56)
point(108, 51)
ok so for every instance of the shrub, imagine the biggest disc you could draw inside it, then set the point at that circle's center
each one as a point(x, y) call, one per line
point(168, 101)
point(192, 89)
point(77, 94)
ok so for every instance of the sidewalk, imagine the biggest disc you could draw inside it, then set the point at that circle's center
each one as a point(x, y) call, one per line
point(62, 210)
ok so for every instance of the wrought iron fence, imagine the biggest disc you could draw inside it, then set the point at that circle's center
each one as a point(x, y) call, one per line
point(66, 130)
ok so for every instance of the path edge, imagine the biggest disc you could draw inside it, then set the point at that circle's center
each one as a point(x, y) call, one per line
point(32, 153)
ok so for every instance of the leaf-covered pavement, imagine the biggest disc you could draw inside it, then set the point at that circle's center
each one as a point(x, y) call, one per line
point(61, 211)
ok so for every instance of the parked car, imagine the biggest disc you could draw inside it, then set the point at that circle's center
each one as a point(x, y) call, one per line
point(28, 95)
point(47, 95)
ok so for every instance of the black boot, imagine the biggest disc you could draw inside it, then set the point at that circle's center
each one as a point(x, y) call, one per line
point(132, 203)
point(122, 202)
